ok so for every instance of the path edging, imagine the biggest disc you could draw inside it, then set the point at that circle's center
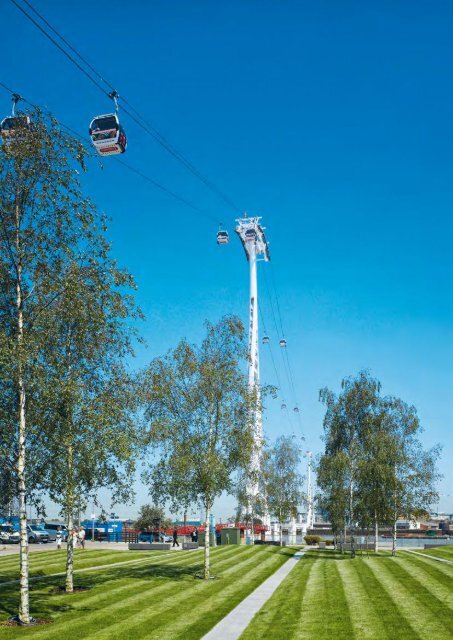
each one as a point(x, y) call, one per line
point(238, 619)
point(425, 555)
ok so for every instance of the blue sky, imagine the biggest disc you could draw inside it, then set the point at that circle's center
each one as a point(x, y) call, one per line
point(332, 120)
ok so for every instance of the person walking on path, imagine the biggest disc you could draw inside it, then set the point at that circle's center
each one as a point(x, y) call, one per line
point(75, 538)
point(175, 537)
point(81, 537)
point(58, 538)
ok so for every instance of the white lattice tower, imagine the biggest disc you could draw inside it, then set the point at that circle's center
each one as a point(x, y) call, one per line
point(256, 249)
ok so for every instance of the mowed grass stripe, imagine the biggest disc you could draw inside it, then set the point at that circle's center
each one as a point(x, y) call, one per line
point(279, 617)
point(103, 604)
point(416, 613)
point(332, 618)
point(54, 563)
point(40, 557)
point(440, 572)
point(439, 585)
point(165, 600)
point(438, 610)
point(395, 624)
point(365, 618)
point(107, 611)
point(194, 615)
point(46, 576)
point(444, 551)
point(40, 592)
point(440, 567)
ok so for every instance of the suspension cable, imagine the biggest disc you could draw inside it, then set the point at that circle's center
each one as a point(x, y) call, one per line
point(128, 166)
point(138, 119)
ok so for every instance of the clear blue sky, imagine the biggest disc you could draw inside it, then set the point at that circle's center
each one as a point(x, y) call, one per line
point(330, 119)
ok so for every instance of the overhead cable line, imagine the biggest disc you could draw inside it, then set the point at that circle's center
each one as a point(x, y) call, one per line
point(277, 376)
point(270, 350)
point(285, 358)
point(274, 284)
point(128, 166)
point(137, 118)
point(274, 318)
point(38, 26)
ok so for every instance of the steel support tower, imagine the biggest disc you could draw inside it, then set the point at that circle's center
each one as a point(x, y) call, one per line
point(256, 249)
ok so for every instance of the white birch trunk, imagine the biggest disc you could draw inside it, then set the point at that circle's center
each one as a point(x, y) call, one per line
point(376, 534)
point(394, 537)
point(351, 521)
point(206, 572)
point(281, 534)
point(24, 608)
point(70, 510)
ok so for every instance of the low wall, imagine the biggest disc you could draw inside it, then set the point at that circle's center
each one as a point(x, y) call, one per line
point(150, 546)
point(436, 546)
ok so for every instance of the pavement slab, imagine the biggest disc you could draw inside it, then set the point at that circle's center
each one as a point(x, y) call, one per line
point(234, 624)
point(426, 555)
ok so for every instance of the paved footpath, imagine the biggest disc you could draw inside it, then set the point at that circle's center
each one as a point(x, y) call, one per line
point(426, 555)
point(235, 623)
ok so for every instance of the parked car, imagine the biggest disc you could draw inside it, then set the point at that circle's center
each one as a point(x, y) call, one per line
point(8, 535)
point(52, 528)
point(52, 536)
point(153, 536)
point(37, 535)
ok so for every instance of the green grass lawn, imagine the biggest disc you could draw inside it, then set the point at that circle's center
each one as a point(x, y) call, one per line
point(158, 598)
point(47, 562)
point(445, 552)
point(332, 597)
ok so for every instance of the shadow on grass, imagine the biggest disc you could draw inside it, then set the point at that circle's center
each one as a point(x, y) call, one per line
point(44, 601)
point(42, 605)
point(14, 575)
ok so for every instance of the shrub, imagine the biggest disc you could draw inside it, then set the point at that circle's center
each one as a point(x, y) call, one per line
point(312, 539)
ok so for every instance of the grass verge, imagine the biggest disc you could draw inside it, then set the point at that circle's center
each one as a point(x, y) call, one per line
point(445, 552)
point(373, 597)
point(154, 599)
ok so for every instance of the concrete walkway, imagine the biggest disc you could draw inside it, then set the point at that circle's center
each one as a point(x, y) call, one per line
point(426, 555)
point(235, 623)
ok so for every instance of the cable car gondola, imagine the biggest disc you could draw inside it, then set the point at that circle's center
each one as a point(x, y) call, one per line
point(10, 125)
point(283, 406)
point(282, 343)
point(296, 409)
point(107, 133)
point(223, 237)
point(266, 339)
point(250, 235)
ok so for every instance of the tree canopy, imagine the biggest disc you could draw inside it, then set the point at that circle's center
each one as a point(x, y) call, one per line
point(199, 416)
point(374, 468)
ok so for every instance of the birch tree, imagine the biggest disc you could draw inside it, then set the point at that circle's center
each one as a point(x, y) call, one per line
point(198, 413)
point(348, 417)
point(373, 455)
point(283, 482)
point(90, 402)
point(331, 477)
point(63, 311)
point(412, 471)
point(42, 218)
